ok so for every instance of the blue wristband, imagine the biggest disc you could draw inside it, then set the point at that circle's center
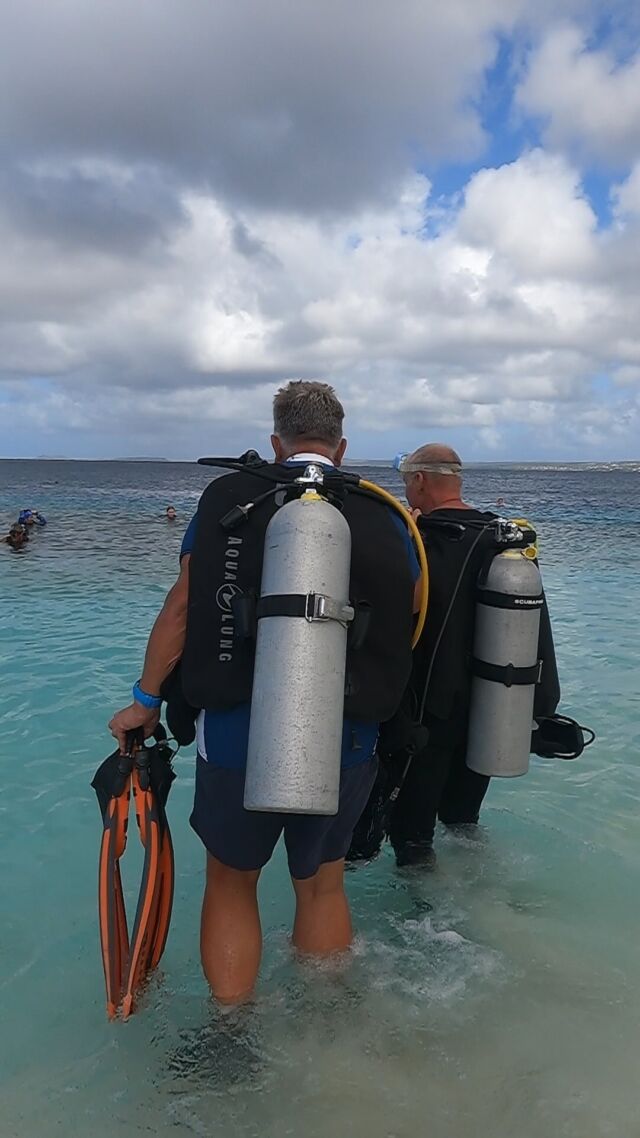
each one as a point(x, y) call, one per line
point(140, 696)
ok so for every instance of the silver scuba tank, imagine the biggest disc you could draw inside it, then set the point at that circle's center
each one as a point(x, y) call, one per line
point(505, 666)
point(297, 704)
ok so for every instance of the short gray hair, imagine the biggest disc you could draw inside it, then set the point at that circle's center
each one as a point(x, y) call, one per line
point(304, 409)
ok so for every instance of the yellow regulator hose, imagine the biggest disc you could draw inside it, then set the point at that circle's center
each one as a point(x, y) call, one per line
point(420, 550)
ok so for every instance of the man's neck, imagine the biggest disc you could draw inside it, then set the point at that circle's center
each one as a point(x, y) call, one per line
point(454, 503)
point(310, 456)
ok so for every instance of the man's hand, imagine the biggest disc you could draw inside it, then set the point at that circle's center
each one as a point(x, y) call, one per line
point(130, 719)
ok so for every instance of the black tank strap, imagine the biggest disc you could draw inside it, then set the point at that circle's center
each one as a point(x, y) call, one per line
point(507, 674)
point(509, 600)
point(312, 606)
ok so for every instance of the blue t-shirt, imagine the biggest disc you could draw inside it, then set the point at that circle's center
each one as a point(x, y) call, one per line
point(223, 738)
point(189, 538)
point(226, 733)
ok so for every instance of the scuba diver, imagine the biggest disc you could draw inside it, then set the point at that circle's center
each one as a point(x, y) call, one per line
point(436, 781)
point(291, 623)
point(17, 537)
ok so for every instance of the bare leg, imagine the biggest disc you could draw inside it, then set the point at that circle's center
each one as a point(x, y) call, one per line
point(323, 922)
point(230, 933)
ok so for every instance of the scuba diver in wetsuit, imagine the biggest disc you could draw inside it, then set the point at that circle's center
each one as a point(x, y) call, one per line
point(436, 782)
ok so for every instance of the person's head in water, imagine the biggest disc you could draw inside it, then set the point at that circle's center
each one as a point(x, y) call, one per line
point(433, 478)
point(171, 513)
point(26, 518)
point(17, 536)
point(307, 418)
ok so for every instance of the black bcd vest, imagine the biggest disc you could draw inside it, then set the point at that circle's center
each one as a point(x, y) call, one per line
point(457, 558)
point(217, 665)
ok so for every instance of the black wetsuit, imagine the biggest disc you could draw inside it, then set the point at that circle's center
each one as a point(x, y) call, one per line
point(438, 784)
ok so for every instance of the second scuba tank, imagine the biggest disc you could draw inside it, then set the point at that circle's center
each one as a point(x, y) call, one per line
point(505, 666)
point(297, 704)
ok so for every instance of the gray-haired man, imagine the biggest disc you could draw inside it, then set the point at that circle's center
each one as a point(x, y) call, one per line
point(307, 428)
point(437, 782)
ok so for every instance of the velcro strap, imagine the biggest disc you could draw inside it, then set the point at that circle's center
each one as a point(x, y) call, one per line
point(312, 606)
point(507, 674)
point(509, 600)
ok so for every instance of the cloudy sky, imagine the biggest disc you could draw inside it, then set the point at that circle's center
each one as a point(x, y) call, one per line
point(434, 205)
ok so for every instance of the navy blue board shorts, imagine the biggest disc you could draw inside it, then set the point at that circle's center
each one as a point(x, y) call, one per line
point(246, 839)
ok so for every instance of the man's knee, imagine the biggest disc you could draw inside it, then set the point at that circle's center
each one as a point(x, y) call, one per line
point(328, 879)
point(225, 878)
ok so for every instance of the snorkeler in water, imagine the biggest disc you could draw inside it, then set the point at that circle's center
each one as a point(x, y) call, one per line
point(31, 517)
point(17, 537)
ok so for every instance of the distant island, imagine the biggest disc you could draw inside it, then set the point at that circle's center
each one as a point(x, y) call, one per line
point(65, 458)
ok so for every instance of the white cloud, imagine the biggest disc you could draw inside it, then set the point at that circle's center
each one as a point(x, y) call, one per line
point(532, 213)
point(306, 105)
point(199, 200)
point(508, 311)
point(587, 99)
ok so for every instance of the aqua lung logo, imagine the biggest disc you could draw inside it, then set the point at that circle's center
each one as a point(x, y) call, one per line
point(224, 598)
point(225, 595)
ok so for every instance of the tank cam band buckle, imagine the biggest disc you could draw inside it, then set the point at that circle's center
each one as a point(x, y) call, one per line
point(312, 606)
point(320, 607)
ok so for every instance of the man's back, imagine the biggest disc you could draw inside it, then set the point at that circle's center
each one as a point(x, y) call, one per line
point(227, 564)
point(457, 547)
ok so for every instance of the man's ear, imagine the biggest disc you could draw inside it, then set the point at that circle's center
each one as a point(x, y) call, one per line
point(340, 452)
point(277, 448)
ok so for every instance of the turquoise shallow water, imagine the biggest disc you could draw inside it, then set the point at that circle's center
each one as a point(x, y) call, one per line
point(498, 996)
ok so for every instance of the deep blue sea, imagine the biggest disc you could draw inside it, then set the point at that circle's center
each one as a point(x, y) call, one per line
point(496, 998)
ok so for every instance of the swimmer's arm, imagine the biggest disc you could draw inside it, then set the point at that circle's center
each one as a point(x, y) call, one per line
point(165, 647)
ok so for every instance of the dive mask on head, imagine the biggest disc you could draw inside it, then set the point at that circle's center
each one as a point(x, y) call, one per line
point(403, 466)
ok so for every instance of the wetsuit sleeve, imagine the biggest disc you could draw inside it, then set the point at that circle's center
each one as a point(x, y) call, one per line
point(547, 695)
point(414, 564)
point(189, 538)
